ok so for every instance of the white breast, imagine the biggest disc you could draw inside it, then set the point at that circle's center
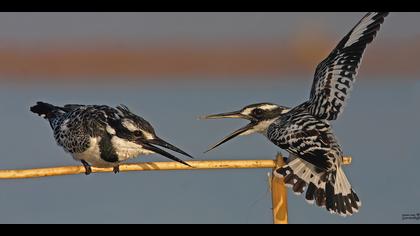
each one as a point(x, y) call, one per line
point(93, 155)
point(126, 150)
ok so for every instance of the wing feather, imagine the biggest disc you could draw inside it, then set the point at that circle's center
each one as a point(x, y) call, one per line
point(336, 74)
point(307, 137)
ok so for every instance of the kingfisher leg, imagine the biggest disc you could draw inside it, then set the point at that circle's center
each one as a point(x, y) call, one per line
point(88, 169)
point(116, 169)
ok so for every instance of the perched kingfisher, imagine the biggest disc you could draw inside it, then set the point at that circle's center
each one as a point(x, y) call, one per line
point(103, 136)
point(305, 132)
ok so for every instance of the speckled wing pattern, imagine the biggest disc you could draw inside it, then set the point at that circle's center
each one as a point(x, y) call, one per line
point(307, 137)
point(335, 75)
point(74, 125)
point(79, 123)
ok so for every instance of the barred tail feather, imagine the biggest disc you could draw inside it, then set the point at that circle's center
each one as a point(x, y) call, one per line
point(345, 200)
point(328, 190)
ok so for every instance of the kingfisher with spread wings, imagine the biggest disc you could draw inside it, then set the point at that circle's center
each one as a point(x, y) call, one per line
point(315, 161)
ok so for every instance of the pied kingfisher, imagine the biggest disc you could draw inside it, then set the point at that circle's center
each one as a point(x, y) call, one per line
point(103, 136)
point(304, 131)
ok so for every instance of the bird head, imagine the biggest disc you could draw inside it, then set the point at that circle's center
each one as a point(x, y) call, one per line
point(136, 130)
point(260, 115)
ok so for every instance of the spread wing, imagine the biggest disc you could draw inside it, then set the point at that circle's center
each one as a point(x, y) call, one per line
point(335, 75)
point(307, 137)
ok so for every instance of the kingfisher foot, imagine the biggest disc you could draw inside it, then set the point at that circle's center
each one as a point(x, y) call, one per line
point(88, 169)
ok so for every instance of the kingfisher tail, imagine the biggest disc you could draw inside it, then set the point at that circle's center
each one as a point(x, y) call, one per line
point(331, 190)
point(46, 110)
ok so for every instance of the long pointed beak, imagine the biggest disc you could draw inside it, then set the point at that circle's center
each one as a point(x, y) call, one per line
point(147, 144)
point(232, 135)
point(160, 142)
point(234, 114)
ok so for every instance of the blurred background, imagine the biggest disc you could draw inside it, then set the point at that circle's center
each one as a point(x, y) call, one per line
point(172, 67)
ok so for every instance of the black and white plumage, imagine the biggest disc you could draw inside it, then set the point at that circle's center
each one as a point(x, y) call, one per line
point(335, 75)
point(304, 131)
point(102, 136)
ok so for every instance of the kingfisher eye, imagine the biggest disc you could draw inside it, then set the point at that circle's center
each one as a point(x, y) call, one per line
point(257, 111)
point(138, 133)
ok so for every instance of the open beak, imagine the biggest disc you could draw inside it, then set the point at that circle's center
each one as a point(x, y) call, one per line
point(149, 145)
point(235, 114)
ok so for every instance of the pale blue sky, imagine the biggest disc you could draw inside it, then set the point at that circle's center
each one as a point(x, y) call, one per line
point(377, 129)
